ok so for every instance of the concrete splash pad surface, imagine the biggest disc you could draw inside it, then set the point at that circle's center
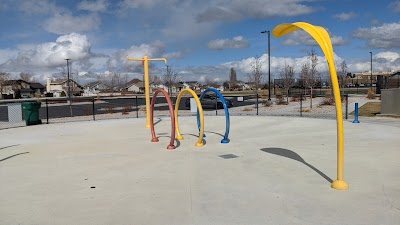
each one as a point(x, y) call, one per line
point(276, 170)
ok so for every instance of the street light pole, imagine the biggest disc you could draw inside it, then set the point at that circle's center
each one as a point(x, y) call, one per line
point(269, 63)
point(371, 68)
point(69, 89)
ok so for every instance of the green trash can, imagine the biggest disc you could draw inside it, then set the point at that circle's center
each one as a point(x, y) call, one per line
point(31, 112)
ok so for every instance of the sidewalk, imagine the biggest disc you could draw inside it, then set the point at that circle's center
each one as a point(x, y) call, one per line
point(275, 170)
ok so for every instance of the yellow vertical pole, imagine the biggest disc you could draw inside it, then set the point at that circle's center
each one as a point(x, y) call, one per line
point(145, 61)
point(147, 89)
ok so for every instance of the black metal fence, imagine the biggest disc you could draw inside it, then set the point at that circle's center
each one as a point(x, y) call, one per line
point(56, 110)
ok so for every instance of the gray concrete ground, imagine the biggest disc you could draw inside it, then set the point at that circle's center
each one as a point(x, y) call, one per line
point(276, 170)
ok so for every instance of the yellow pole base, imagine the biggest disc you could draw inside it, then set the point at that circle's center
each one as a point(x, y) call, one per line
point(147, 125)
point(201, 144)
point(339, 185)
point(180, 137)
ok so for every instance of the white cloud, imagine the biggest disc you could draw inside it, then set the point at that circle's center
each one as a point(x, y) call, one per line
point(51, 55)
point(94, 6)
point(385, 36)
point(39, 7)
point(175, 55)
point(375, 22)
point(66, 23)
point(6, 54)
point(395, 6)
point(119, 61)
point(301, 37)
point(345, 16)
point(236, 42)
point(228, 10)
point(147, 4)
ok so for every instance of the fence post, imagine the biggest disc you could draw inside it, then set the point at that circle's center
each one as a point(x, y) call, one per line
point(257, 103)
point(301, 103)
point(347, 105)
point(47, 111)
point(356, 113)
point(216, 105)
point(137, 108)
point(94, 112)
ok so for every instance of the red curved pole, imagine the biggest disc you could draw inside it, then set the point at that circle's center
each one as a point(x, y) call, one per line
point(171, 113)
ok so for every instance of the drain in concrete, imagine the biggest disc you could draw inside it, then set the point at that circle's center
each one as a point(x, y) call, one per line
point(228, 156)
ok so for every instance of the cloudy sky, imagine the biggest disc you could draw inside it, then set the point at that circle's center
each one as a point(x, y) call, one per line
point(199, 38)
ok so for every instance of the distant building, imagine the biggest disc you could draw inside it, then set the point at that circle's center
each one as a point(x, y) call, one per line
point(135, 85)
point(94, 88)
point(19, 88)
point(59, 87)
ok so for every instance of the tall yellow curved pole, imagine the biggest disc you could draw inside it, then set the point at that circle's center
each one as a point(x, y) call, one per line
point(199, 142)
point(145, 61)
point(324, 41)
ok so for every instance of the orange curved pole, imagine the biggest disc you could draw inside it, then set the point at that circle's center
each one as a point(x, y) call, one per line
point(171, 113)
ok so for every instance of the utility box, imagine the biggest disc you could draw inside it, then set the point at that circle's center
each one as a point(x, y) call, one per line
point(193, 105)
point(14, 113)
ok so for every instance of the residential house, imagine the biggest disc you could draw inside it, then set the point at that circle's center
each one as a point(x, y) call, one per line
point(135, 85)
point(194, 85)
point(59, 87)
point(20, 88)
point(94, 88)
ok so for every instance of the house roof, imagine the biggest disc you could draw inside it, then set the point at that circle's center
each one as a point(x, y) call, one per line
point(11, 82)
point(37, 85)
point(91, 84)
point(135, 82)
point(58, 81)
point(61, 81)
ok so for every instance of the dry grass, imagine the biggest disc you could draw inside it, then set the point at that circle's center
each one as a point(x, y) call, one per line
point(371, 94)
point(247, 109)
point(306, 110)
point(369, 109)
point(127, 110)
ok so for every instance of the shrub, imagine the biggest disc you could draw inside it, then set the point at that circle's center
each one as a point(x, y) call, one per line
point(328, 100)
point(280, 100)
point(371, 94)
point(63, 94)
point(297, 98)
point(267, 103)
point(127, 110)
point(110, 109)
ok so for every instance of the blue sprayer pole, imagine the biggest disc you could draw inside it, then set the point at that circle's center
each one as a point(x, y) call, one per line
point(356, 114)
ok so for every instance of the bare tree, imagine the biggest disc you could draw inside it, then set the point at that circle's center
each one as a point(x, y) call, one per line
point(155, 79)
point(342, 75)
point(287, 76)
point(113, 80)
point(170, 79)
point(310, 78)
point(28, 77)
point(211, 83)
point(256, 76)
point(4, 76)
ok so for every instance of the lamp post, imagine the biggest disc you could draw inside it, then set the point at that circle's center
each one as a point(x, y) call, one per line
point(69, 88)
point(269, 64)
point(371, 68)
